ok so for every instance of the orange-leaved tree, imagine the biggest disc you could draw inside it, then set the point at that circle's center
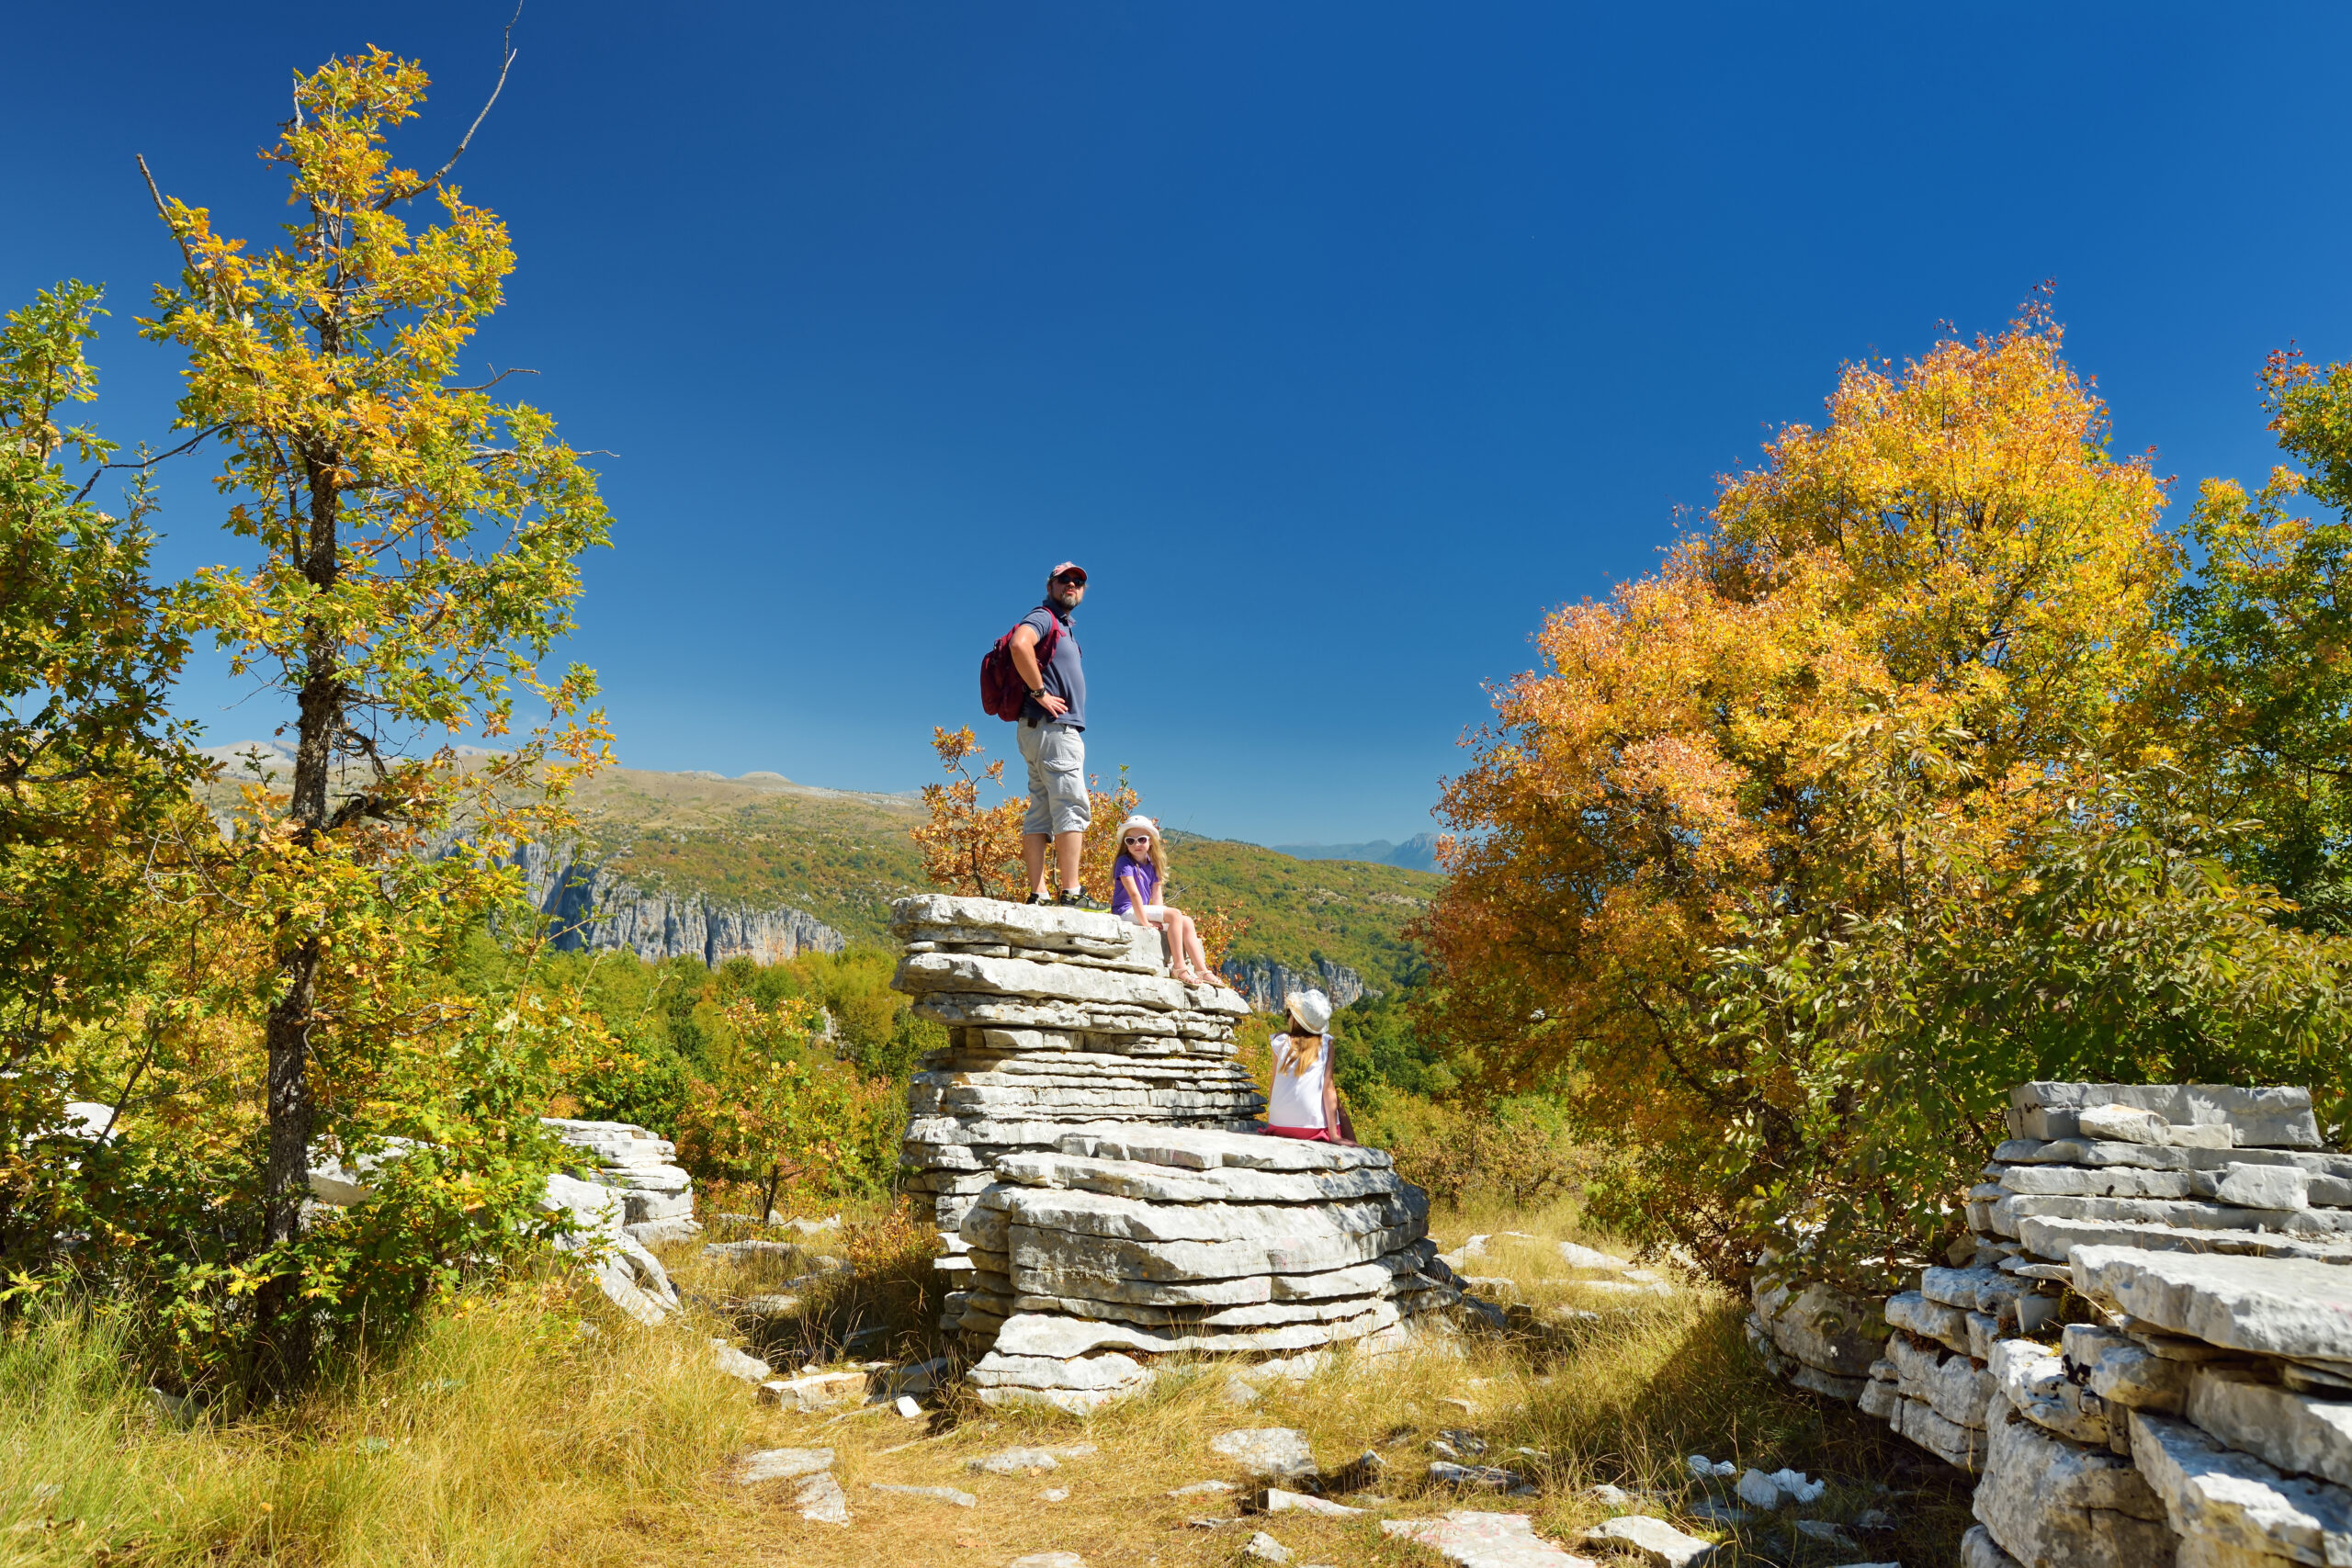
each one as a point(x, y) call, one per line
point(1937, 598)
point(966, 847)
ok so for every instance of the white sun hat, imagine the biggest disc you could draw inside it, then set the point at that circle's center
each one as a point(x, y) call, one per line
point(1311, 1011)
point(1137, 821)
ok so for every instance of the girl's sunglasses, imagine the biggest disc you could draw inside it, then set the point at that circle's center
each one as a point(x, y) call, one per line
point(1139, 837)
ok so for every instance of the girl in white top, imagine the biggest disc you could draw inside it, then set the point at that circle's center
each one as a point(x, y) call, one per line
point(1305, 1101)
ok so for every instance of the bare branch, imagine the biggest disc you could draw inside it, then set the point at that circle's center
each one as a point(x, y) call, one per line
point(505, 65)
point(82, 494)
point(165, 213)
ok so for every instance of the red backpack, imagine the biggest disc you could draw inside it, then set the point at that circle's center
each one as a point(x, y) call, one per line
point(1002, 691)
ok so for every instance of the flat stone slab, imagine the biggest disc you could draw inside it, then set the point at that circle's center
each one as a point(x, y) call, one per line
point(1012, 1461)
point(1270, 1452)
point(2271, 1306)
point(2056, 1239)
point(1653, 1539)
point(1475, 1538)
point(2296, 1432)
point(2274, 1115)
point(781, 1464)
point(1219, 1184)
point(2236, 1500)
point(1101, 1215)
point(1206, 1149)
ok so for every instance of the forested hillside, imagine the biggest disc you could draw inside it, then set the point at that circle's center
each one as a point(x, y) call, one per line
point(844, 856)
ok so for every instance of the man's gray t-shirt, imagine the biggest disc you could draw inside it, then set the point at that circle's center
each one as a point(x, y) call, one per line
point(1065, 677)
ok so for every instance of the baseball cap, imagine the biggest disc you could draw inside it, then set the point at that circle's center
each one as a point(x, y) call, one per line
point(1069, 569)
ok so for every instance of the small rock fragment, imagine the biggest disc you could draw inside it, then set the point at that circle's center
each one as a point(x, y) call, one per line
point(1281, 1502)
point(1054, 1494)
point(909, 1408)
point(942, 1494)
point(1823, 1530)
point(736, 1363)
point(821, 1501)
point(1482, 1477)
point(1201, 1488)
point(1266, 1549)
point(1049, 1560)
point(1609, 1496)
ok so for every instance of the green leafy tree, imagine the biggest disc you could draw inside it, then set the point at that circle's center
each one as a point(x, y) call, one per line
point(92, 769)
point(2263, 688)
point(416, 544)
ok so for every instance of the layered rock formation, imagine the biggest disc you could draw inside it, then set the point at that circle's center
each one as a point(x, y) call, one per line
point(2207, 1419)
point(595, 908)
point(1087, 1140)
point(1267, 984)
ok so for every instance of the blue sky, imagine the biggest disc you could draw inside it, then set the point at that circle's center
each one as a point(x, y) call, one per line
point(1339, 341)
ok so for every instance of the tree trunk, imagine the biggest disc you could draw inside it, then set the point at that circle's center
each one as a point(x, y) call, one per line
point(286, 1177)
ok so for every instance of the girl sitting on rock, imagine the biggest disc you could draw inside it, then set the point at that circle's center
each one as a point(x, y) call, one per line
point(1139, 874)
point(1305, 1101)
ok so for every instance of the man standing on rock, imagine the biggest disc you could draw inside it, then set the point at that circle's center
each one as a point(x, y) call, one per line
point(1053, 738)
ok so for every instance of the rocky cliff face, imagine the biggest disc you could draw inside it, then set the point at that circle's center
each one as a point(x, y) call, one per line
point(594, 909)
point(1266, 984)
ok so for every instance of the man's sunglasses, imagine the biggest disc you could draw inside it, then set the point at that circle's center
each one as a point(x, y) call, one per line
point(1073, 578)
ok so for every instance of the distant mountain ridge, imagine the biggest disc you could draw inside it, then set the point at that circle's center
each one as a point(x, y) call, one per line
point(1416, 854)
point(674, 865)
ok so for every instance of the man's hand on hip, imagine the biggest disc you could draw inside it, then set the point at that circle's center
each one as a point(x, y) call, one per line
point(1053, 704)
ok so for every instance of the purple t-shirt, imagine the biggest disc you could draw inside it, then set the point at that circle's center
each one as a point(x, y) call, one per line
point(1146, 877)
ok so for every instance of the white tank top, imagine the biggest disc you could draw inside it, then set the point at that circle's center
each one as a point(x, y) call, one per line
point(1298, 1094)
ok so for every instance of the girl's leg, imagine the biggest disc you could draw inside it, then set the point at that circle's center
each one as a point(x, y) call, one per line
point(1194, 954)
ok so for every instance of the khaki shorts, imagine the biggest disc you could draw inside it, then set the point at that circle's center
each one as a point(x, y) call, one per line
point(1058, 799)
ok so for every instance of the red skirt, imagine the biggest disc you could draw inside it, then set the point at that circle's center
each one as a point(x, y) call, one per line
point(1305, 1134)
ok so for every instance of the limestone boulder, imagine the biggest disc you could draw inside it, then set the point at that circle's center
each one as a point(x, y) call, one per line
point(1821, 1326)
point(2237, 1501)
point(2047, 1501)
point(2297, 1433)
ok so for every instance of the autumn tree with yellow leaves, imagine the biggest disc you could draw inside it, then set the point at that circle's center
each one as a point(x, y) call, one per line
point(414, 555)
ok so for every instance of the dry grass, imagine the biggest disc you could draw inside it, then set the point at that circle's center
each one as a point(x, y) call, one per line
point(507, 1436)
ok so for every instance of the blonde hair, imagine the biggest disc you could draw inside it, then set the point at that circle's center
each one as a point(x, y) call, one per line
point(1285, 1053)
point(1158, 853)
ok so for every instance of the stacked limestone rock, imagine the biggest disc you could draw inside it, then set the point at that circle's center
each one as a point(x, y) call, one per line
point(2211, 1167)
point(1055, 1017)
point(2207, 1419)
point(1811, 1335)
point(657, 1197)
point(1086, 1136)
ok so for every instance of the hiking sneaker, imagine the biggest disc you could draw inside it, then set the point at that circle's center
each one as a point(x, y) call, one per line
point(1076, 898)
point(1036, 899)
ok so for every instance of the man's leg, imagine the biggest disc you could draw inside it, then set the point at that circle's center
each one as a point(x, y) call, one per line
point(1038, 824)
point(1063, 760)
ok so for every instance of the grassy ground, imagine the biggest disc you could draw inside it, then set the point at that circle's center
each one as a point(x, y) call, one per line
point(511, 1435)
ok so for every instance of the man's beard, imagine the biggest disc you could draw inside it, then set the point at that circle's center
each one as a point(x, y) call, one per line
point(1063, 599)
